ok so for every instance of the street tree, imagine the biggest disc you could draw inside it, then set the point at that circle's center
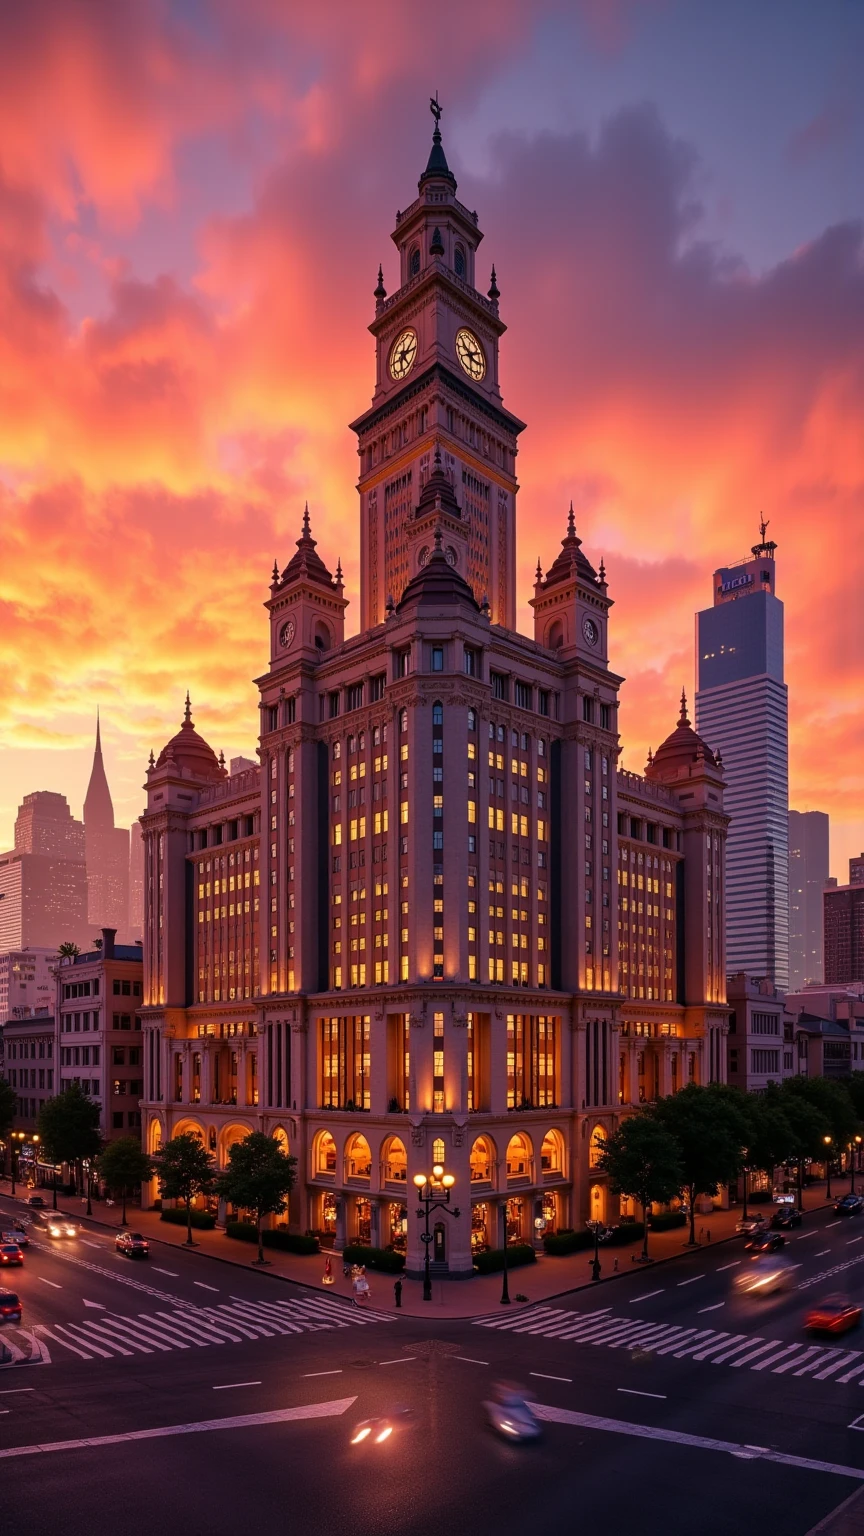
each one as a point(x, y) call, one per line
point(834, 1101)
point(769, 1140)
point(185, 1170)
point(68, 951)
point(809, 1127)
point(643, 1161)
point(258, 1178)
point(123, 1165)
point(709, 1125)
point(69, 1130)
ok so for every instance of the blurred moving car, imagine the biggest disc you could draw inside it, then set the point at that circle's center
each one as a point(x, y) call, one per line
point(785, 1218)
point(511, 1415)
point(849, 1205)
point(58, 1225)
point(765, 1242)
point(36, 1202)
point(133, 1244)
point(750, 1223)
point(16, 1235)
point(10, 1307)
point(379, 1430)
point(763, 1277)
point(836, 1314)
point(10, 1254)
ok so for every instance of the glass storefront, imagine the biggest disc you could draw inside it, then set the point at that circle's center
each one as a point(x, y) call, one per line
point(514, 1210)
point(363, 1233)
point(397, 1222)
point(479, 1228)
point(328, 1213)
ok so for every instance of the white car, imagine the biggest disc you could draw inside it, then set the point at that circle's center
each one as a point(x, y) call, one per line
point(750, 1223)
point(764, 1276)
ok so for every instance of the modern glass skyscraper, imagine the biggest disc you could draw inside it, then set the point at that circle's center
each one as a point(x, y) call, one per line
point(808, 876)
point(742, 711)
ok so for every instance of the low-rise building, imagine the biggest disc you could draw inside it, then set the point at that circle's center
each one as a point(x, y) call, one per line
point(30, 1065)
point(760, 1048)
point(98, 1036)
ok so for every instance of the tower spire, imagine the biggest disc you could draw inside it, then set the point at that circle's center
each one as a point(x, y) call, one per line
point(187, 713)
point(98, 806)
point(682, 718)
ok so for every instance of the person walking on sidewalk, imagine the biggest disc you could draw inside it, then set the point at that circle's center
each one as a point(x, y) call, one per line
point(397, 1291)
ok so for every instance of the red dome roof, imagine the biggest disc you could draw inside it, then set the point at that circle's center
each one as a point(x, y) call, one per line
point(191, 752)
point(682, 747)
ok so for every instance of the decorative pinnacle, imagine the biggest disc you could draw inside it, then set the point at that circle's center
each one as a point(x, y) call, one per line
point(602, 572)
point(338, 569)
point(682, 718)
point(539, 575)
point(380, 292)
point(187, 713)
point(493, 287)
point(437, 456)
point(151, 761)
point(571, 522)
point(437, 536)
point(275, 574)
point(221, 759)
point(306, 528)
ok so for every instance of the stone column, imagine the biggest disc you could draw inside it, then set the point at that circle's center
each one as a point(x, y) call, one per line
point(340, 1238)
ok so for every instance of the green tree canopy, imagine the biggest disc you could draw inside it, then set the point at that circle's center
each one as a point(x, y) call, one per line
point(123, 1165)
point(833, 1101)
point(8, 1105)
point(185, 1169)
point(710, 1126)
point(770, 1137)
point(259, 1177)
point(642, 1161)
point(69, 1126)
point(854, 1086)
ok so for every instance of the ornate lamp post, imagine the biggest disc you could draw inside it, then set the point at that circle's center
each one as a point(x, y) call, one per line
point(601, 1232)
point(745, 1172)
point(854, 1151)
point(828, 1140)
point(434, 1190)
point(16, 1138)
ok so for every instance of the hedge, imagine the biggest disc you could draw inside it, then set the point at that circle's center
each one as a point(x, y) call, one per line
point(493, 1259)
point(274, 1237)
point(374, 1258)
point(567, 1242)
point(628, 1232)
point(665, 1221)
point(200, 1219)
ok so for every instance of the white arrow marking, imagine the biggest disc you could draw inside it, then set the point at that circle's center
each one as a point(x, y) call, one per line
point(97, 1304)
point(243, 1421)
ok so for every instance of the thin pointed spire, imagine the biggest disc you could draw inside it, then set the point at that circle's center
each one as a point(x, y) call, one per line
point(494, 293)
point(187, 713)
point(380, 292)
point(339, 570)
point(539, 574)
point(98, 733)
point(98, 806)
point(602, 572)
point(275, 581)
point(682, 718)
point(151, 761)
point(307, 531)
point(571, 521)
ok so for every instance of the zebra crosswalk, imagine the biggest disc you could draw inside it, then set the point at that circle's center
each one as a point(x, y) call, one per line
point(183, 1327)
point(739, 1351)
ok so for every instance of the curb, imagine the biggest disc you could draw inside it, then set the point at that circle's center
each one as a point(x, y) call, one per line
point(588, 1285)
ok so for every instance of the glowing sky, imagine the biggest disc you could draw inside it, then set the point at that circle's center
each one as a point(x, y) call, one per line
point(194, 198)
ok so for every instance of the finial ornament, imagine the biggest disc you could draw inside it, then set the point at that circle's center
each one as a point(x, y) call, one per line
point(571, 521)
point(380, 291)
point(539, 575)
point(437, 455)
point(436, 109)
point(187, 713)
point(306, 529)
point(682, 718)
point(221, 759)
point(763, 525)
point(152, 761)
point(437, 536)
point(602, 571)
point(494, 294)
point(275, 574)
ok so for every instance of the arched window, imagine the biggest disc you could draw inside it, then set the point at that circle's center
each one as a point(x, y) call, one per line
point(395, 1161)
point(322, 637)
point(437, 1150)
point(414, 262)
point(472, 719)
point(358, 1158)
point(481, 1161)
point(403, 720)
point(519, 1157)
point(459, 261)
point(324, 1155)
point(597, 1147)
point(552, 1152)
point(555, 636)
point(437, 713)
point(337, 751)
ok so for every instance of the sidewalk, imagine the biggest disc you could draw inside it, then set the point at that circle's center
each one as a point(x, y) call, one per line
point(549, 1277)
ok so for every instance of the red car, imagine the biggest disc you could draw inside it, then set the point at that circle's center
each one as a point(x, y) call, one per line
point(10, 1307)
point(10, 1253)
point(836, 1314)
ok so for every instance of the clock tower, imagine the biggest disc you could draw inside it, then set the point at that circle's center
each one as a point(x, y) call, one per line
point(436, 446)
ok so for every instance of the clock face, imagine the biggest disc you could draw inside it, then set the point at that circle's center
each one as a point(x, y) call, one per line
point(590, 631)
point(286, 633)
point(403, 354)
point(470, 354)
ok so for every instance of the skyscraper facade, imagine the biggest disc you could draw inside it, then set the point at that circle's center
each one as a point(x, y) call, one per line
point(435, 924)
point(107, 853)
point(844, 934)
point(742, 712)
point(43, 879)
point(808, 876)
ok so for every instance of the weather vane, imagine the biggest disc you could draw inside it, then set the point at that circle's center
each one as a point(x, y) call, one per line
point(763, 525)
point(436, 110)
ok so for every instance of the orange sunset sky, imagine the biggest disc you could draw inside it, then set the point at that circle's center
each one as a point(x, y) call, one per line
point(194, 199)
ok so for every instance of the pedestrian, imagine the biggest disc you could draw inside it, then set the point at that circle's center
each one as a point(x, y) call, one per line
point(615, 1268)
point(328, 1271)
point(397, 1291)
point(595, 1270)
point(707, 1234)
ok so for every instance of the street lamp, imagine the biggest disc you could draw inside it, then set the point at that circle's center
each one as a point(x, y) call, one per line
point(854, 1147)
point(434, 1190)
point(745, 1170)
point(16, 1139)
point(601, 1232)
point(828, 1140)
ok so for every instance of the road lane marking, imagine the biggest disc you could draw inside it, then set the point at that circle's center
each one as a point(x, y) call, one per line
point(307, 1375)
point(822, 1253)
point(832, 1224)
point(90, 1245)
point(13, 1391)
point(469, 1360)
point(403, 1361)
point(801, 1236)
point(97, 1304)
point(716, 1307)
point(647, 1296)
point(171, 1272)
point(734, 1265)
point(696, 1442)
point(542, 1376)
point(632, 1392)
point(230, 1385)
point(204, 1287)
point(854, 1240)
point(50, 1282)
point(691, 1281)
point(242, 1421)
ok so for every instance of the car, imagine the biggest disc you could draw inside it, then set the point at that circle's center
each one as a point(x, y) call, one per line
point(764, 1276)
point(134, 1244)
point(10, 1307)
point(765, 1242)
point(849, 1205)
point(10, 1254)
point(836, 1314)
point(16, 1235)
point(750, 1223)
point(785, 1218)
point(36, 1203)
point(58, 1225)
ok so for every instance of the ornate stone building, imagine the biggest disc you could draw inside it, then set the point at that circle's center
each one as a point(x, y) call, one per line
point(437, 924)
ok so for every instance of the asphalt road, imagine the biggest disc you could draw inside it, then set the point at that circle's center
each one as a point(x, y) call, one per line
point(209, 1399)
